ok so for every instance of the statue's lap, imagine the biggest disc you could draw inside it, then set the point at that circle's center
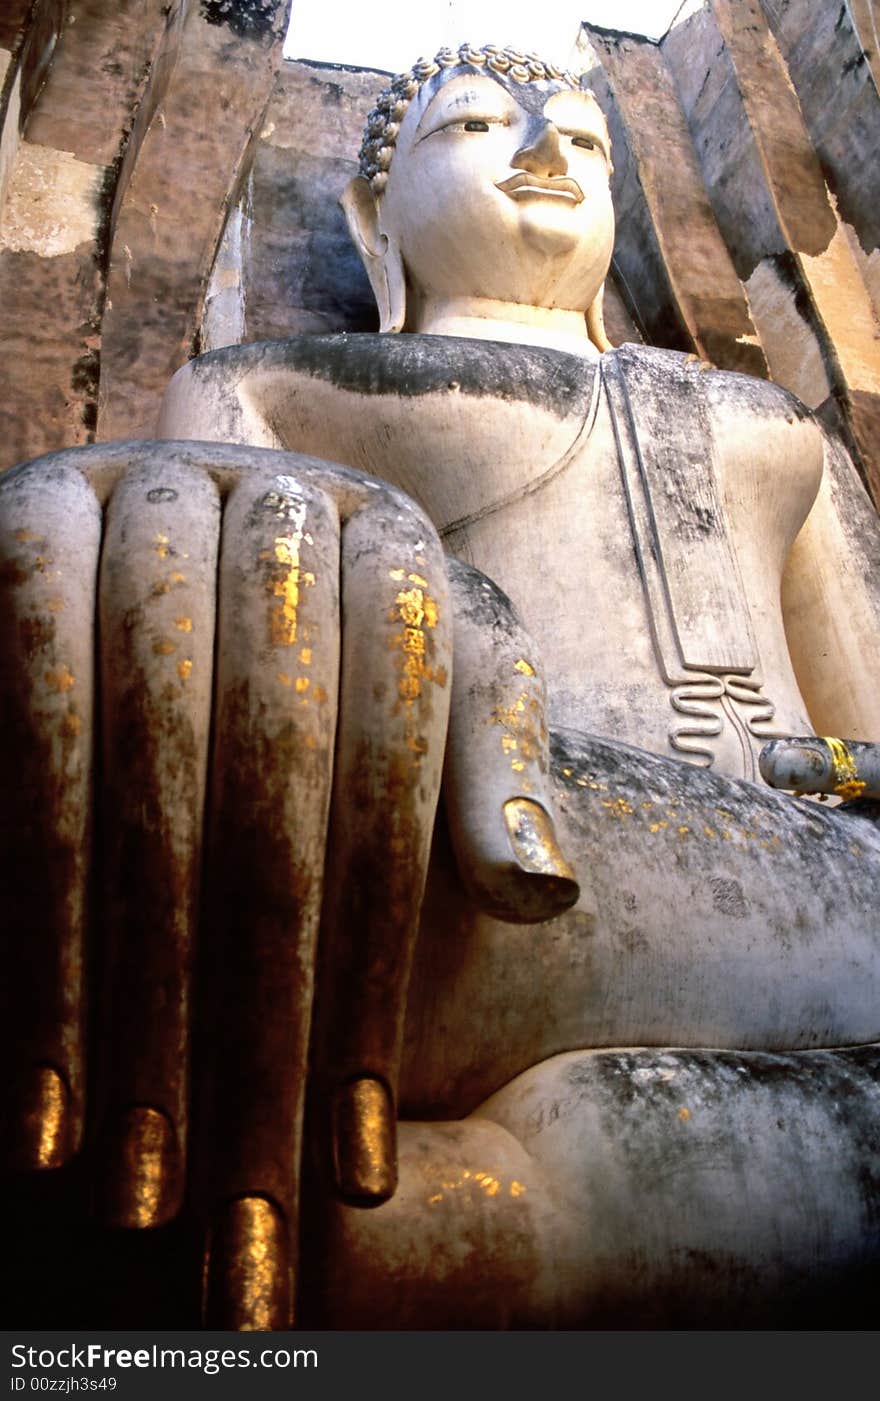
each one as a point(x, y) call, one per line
point(715, 913)
point(637, 1164)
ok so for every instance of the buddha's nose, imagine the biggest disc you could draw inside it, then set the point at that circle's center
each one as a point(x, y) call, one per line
point(542, 154)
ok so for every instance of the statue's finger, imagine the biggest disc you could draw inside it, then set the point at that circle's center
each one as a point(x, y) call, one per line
point(157, 611)
point(272, 764)
point(50, 528)
point(496, 782)
point(849, 768)
point(394, 702)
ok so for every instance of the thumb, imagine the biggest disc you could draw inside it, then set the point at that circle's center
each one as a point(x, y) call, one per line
point(816, 764)
point(496, 776)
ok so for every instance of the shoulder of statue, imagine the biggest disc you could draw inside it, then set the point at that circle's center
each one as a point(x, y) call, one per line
point(747, 393)
point(371, 365)
point(731, 398)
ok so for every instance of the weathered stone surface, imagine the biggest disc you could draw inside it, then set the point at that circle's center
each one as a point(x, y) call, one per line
point(732, 1128)
point(638, 260)
point(12, 19)
point(732, 167)
point(832, 55)
point(286, 258)
point(97, 75)
point(99, 122)
point(54, 227)
point(191, 149)
point(50, 349)
point(31, 37)
point(766, 184)
point(669, 253)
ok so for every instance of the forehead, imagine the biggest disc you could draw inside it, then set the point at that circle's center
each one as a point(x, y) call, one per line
point(454, 88)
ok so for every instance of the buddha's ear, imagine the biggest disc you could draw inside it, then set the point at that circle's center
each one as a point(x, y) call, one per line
point(378, 253)
point(596, 322)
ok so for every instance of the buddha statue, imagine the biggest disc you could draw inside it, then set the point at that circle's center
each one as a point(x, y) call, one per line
point(447, 680)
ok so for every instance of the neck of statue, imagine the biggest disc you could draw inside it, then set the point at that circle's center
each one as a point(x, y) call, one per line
point(479, 318)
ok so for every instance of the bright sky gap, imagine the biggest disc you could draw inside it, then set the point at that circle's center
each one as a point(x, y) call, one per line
point(351, 33)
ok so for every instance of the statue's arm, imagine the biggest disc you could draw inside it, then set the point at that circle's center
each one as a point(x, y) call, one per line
point(831, 603)
point(807, 532)
point(207, 401)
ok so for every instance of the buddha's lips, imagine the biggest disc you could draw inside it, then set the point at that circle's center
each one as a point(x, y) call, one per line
point(551, 184)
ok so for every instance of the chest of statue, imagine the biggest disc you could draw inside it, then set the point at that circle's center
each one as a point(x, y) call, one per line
point(627, 506)
point(643, 542)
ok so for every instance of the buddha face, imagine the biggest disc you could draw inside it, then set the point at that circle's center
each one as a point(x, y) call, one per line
point(500, 190)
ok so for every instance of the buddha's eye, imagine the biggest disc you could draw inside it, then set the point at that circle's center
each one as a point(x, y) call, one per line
point(476, 126)
point(586, 141)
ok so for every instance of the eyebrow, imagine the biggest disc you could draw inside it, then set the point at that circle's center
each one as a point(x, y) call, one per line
point(591, 124)
point(484, 93)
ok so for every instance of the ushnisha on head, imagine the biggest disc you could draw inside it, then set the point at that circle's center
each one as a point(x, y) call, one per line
point(482, 206)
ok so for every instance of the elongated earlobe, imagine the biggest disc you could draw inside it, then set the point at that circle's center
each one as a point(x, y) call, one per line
point(378, 253)
point(596, 322)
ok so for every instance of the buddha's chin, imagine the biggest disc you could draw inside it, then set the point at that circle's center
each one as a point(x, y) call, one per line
point(547, 226)
point(555, 268)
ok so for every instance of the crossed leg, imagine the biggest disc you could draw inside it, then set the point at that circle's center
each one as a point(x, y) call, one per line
point(647, 1187)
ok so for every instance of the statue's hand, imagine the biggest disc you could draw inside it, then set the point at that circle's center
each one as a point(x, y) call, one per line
point(247, 749)
point(846, 768)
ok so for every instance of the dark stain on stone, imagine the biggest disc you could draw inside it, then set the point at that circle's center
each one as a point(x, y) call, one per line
point(855, 62)
point(864, 417)
point(758, 397)
point(482, 602)
point(36, 634)
point(85, 373)
point(702, 518)
point(724, 350)
point(834, 414)
point(247, 19)
point(728, 898)
point(85, 377)
point(787, 269)
point(862, 808)
point(413, 365)
point(43, 29)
